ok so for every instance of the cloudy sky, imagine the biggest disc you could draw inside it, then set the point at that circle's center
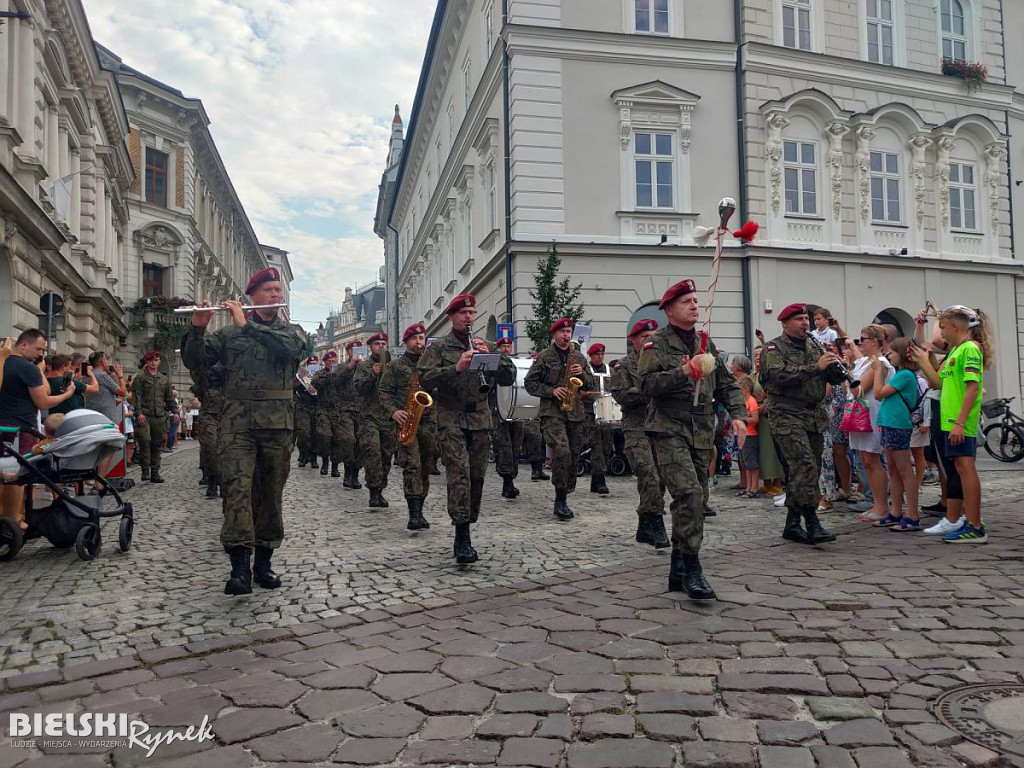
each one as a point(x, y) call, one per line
point(300, 95)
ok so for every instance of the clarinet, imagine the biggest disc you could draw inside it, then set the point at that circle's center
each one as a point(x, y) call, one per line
point(838, 366)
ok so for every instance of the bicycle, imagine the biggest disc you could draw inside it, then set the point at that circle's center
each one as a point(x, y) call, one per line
point(1004, 440)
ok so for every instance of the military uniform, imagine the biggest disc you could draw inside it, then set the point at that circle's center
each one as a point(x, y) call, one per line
point(508, 437)
point(562, 431)
point(152, 397)
point(534, 443)
point(349, 418)
point(330, 444)
point(600, 441)
point(376, 429)
point(259, 362)
point(306, 415)
point(417, 458)
point(795, 407)
point(209, 387)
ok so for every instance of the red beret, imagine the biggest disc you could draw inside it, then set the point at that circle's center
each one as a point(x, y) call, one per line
point(595, 349)
point(413, 330)
point(152, 354)
point(558, 325)
point(353, 343)
point(266, 275)
point(461, 301)
point(791, 310)
point(377, 337)
point(643, 325)
point(330, 355)
point(313, 359)
point(681, 288)
point(504, 341)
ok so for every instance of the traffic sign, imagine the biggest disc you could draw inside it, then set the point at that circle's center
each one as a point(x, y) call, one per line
point(505, 331)
point(51, 303)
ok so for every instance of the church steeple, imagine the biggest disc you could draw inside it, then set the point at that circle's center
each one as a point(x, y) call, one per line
point(397, 139)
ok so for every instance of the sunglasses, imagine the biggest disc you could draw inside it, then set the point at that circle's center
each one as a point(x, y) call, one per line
point(862, 339)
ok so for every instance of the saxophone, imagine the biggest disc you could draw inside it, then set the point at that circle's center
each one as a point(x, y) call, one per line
point(415, 404)
point(571, 383)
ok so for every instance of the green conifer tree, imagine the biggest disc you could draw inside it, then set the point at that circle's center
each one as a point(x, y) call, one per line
point(553, 299)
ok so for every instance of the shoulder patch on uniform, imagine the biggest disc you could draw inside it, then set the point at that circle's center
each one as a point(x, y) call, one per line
point(771, 347)
point(648, 344)
point(617, 367)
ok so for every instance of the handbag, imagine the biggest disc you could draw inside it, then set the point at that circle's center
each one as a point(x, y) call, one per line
point(856, 417)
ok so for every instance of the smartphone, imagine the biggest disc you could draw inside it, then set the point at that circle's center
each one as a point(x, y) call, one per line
point(840, 345)
point(85, 370)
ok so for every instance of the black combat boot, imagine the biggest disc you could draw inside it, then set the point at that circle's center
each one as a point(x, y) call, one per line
point(464, 552)
point(324, 469)
point(334, 469)
point(240, 580)
point(597, 485)
point(312, 461)
point(508, 490)
point(675, 572)
point(416, 521)
point(538, 471)
point(793, 531)
point(377, 498)
point(356, 485)
point(145, 475)
point(562, 511)
point(303, 461)
point(709, 512)
point(205, 477)
point(213, 488)
point(656, 528)
point(694, 583)
point(815, 532)
point(261, 572)
point(643, 529)
point(154, 476)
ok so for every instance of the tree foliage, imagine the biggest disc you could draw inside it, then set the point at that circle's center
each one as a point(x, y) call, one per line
point(310, 345)
point(553, 299)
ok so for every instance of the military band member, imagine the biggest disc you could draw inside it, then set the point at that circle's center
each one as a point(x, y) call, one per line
point(463, 416)
point(376, 429)
point(563, 431)
point(671, 366)
point(153, 398)
point(625, 388)
point(306, 418)
point(534, 442)
point(350, 416)
point(208, 386)
point(507, 437)
point(260, 356)
point(416, 459)
point(794, 371)
point(600, 441)
point(328, 417)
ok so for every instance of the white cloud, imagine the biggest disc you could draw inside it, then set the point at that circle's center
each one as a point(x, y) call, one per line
point(300, 95)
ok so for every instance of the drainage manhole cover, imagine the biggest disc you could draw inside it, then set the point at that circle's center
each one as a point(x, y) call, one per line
point(990, 715)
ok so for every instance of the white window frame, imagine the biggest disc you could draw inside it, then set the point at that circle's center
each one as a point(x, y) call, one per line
point(899, 32)
point(487, 22)
point(875, 26)
point(439, 158)
point(467, 231)
point(654, 160)
point(952, 36)
point(959, 191)
point(492, 198)
point(652, 9)
point(675, 19)
point(451, 125)
point(801, 168)
point(798, 6)
point(886, 176)
point(467, 85)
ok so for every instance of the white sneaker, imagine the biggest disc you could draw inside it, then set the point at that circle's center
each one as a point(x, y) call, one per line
point(780, 496)
point(780, 501)
point(943, 527)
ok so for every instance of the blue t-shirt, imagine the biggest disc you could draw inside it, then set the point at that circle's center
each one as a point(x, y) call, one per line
point(892, 412)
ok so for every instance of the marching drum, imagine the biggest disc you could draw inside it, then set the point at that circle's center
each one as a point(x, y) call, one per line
point(607, 410)
point(514, 402)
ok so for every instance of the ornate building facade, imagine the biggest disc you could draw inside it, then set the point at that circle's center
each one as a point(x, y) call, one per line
point(879, 173)
point(361, 314)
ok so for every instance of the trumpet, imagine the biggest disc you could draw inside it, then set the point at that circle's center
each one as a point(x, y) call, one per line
point(245, 308)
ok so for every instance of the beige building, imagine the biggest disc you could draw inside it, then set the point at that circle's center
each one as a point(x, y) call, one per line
point(361, 315)
point(64, 176)
point(613, 127)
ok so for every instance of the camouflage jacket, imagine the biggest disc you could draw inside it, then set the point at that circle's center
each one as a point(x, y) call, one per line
point(366, 384)
point(332, 387)
point(792, 383)
point(259, 362)
point(457, 396)
point(153, 395)
point(670, 389)
point(625, 388)
point(208, 386)
point(395, 384)
point(303, 400)
point(548, 374)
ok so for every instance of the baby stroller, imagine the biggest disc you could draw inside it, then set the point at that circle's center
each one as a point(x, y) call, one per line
point(82, 441)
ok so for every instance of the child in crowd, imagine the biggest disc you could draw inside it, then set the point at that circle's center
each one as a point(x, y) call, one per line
point(749, 458)
point(960, 380)
point(50, 425)
point(899, 399)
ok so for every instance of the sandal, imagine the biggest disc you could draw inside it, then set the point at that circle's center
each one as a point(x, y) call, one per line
point(870, 517)
point(840, 496)
point(856, 496)
point(906, 524)
point(887, 522)
point(823, 508)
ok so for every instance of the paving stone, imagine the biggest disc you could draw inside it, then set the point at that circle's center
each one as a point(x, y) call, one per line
point(503, 726)
point(370, 751)
point(727, 729)
point(718, 754)
point(908, 716)
point(577, 663)
point(522, 679)
point(621, 753)
point(401, 687)
point(588, 683)
point(245, 724)
point(540, 703)
point(417, 661)
point(598, 702)
point(447, 727)
point(187, 712)
point(683, 703)
point(785, 757)
point(463, 699)
point(858, 733)
point(97, 668)
point(759, 706)
point(223, 757)
point(767, 683)
point(786, 733)
point(602, 725)
point(278, 695)
point(880, 757)
point(541, 753)
point(668, 727)
point(838, 708)
point(975, 755)
point(305, 744)
point(654, 683)
point(631, 648)
point(464, 669)
point(390, 721)
point(349, 677)
point(322, 705)
point(933, 734)
point(555, 727)
point(470, 751)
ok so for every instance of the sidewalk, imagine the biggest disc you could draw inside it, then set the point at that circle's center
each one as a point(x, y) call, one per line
point(832, 657)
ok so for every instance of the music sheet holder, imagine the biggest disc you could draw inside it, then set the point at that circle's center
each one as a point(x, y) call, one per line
point(484, 362)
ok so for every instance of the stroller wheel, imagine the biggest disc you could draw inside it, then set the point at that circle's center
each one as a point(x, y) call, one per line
point(11, 538)
point(88, 542)
point(617, 466)
point(124, 533)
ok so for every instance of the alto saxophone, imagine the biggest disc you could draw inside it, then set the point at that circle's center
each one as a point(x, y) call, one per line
point(415, 404)
point(570, 383)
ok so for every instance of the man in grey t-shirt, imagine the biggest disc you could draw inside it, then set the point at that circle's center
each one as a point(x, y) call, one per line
point(111, 387)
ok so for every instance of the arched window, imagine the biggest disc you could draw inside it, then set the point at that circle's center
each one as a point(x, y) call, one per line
point(954, 30)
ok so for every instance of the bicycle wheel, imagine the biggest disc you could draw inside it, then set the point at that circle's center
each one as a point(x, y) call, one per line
point(1004, 442)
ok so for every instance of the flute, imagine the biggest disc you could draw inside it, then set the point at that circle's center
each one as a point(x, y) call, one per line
point(245, 308)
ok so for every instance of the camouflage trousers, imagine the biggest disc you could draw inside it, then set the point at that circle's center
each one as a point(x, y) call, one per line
point(566, 441)
point(533, 440)
point(416, 461)
point(800, 452)
point(305, 425)
point(208, 429)
point(350, 449)
point(601, 443)
point(684, 470)
point(508, 446)
point(151, 438)
point(464, 453)
point(327, 440)
point(254, 468)
point(640, 452)
point(378, 444)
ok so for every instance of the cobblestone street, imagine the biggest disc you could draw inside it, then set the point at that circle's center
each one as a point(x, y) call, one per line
point(560, 648)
